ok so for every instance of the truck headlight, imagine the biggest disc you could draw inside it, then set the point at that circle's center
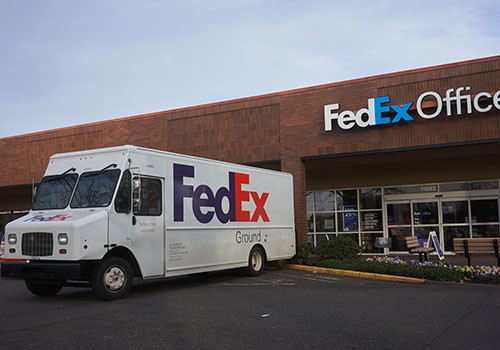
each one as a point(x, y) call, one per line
point(12, 238)
point(62, 238)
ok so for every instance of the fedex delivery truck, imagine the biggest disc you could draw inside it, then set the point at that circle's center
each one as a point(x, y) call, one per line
point(102, 217)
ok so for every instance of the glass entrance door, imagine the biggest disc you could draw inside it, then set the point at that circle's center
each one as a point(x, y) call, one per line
point(426, 215)
point(455, 221)
point(399, 226)
point(412, 218)
point(459, 217)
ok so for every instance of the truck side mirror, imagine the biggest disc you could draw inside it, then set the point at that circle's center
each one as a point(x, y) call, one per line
point(136, 195)
point(34, 188)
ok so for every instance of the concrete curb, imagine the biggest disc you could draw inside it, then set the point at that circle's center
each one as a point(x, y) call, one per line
point(355, 274)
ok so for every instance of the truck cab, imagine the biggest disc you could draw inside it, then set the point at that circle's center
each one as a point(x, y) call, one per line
point(84, 207)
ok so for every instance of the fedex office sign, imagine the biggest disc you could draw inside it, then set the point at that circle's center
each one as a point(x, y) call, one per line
point(225, 203)
point(379, 110)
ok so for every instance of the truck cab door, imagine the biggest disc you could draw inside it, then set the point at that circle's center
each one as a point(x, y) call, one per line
point(148, 224)
point(137, 221)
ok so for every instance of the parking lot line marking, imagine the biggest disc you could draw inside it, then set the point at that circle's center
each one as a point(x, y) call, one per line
point(256, 284)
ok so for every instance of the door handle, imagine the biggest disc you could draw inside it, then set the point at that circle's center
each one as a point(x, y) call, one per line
point(134, 220)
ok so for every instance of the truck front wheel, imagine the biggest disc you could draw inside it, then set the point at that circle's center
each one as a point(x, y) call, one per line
point(43, 289)
point(112, 279)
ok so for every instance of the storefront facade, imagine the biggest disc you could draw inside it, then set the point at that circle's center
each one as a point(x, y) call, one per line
point(386, 156)
point(452, 210)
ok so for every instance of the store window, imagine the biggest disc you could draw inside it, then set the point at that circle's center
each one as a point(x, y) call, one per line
point(324, 201)
point(371, 220)
point(354, 213)
point(370, 198)
point(485, 231)
point(452, 210)
point(347, 211)
point(325, 222)
point(347, 200)
point(399, 220)
point(321, 214)
point(455, 212)
point(484, 210)
point(484, 215)
point(468, 186)
point(425, 213)
point(399, 214)
point(455, 221)
point(451, 232)
point(397, 235)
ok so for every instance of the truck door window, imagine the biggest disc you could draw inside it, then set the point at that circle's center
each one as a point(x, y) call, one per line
point(54, 192)
point(151, 199)
point(123, 199)
point(95, 189)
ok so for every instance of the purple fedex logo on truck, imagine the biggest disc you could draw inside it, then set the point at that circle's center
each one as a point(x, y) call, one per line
point(225, 204)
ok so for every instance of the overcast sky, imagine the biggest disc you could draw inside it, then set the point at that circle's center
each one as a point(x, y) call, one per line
point(69, 62)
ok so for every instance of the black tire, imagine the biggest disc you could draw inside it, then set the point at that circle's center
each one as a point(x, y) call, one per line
point(256, 262)
point(111, 279)
point(43, 289)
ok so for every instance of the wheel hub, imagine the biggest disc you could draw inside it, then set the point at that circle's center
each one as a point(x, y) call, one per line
point(256, 261)
point(114, 278)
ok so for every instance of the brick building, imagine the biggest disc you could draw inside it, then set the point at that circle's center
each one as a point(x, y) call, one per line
point(385, 156)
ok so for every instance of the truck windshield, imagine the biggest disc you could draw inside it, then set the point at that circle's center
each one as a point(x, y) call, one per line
point(95, 189)
point(54, 192)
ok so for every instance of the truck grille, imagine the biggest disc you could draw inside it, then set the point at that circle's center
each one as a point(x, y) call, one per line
point(37, 244)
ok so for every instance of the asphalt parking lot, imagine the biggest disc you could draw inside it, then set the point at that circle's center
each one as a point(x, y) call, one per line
point(282, 309)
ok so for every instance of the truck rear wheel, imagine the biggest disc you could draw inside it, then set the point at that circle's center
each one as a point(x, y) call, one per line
point(112, 279)
point(256, 262)
point(43, 289)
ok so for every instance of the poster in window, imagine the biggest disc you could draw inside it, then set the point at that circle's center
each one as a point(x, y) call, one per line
point(372, 221)
point(350, 221)
point(329, 224)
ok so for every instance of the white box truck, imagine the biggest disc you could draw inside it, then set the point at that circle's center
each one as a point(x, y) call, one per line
point(102, 217)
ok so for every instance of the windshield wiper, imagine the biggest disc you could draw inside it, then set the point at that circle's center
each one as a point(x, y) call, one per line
point(113, 165)
point(67, 171)
point(61, 176)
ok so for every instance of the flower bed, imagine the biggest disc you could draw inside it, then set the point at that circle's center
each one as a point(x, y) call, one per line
point(339, 254)
point(396, 267)
point(478, 274)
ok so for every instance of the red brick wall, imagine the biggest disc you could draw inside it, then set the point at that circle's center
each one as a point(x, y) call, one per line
point(243, 135)
point(243, 132)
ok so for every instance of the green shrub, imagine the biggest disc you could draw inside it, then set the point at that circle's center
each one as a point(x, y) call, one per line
point(339, 248)
point(303, 251)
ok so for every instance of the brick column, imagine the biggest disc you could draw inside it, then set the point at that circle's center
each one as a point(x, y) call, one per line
point(296, 167)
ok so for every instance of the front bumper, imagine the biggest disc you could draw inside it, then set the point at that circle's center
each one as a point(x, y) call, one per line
point(47, 270)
